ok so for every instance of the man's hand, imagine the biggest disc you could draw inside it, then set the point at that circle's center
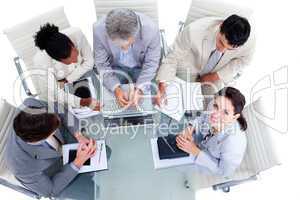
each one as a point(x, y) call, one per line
point(84, 152)
point(92, 103)
point(122, 97)
point(187, 145)
point(137, 95)
point(210, 77)
point(160, 97)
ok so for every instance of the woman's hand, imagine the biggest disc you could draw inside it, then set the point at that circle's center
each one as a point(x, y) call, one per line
point(188, 133)
point(81, 139)
point(84, 152)
point(187, 145)
point(91, 102)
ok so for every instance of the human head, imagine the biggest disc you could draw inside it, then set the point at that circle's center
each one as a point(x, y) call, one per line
point(122, 25)
point(82, 92)
point(234, 32)
point(35, 127)
point(228, 105)
point(57, 45)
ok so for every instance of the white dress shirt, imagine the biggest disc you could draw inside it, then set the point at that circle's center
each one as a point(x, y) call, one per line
point(53, 70)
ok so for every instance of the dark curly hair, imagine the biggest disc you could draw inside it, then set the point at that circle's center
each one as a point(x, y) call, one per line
point(57, 45)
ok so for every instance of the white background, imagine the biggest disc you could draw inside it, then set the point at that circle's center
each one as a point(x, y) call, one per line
point(277, 32)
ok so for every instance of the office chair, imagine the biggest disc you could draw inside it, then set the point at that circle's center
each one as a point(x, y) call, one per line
point(260, 154)
point(7, 113)
point(214, 8)
point(147, 7)
point(21, 38)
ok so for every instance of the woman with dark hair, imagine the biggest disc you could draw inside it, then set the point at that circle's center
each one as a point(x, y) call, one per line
point(217, 138)
point(66, 56)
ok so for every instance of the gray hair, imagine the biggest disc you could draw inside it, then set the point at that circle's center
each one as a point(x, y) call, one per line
point(121, 23)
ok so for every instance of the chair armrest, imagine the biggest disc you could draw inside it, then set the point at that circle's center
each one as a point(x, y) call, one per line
point(23, 79)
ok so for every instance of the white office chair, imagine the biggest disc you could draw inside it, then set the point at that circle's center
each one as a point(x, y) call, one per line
point(147, 7)
point(7, 113)
point(260, 154)
point(213, 8)
point(21, 38)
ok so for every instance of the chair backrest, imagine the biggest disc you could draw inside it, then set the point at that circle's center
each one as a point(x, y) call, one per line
point(147, 7)
point(7, 113)
point(261, 152)
point(214, 8)
point(21, 35)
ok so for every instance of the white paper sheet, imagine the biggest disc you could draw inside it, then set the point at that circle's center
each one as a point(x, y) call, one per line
point(192, 96)
point(174, 101)
point(181, 96)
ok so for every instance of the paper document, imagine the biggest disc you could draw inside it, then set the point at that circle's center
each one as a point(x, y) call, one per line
point(96, 163)
point(165, 163)
point(181, 96)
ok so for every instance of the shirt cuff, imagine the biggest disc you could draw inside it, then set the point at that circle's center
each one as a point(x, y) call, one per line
point(113, 88)
point(74, 167)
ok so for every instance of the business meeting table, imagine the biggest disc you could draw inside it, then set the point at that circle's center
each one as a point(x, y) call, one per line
point(131, 174)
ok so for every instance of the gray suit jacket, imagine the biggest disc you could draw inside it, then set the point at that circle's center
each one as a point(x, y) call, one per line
point(146, 50)
point(38, 168)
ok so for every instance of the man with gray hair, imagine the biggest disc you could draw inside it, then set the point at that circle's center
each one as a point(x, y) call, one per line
point(126, 48)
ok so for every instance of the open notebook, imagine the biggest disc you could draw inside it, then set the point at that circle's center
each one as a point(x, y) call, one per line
point(96, 163)
point(181, 96)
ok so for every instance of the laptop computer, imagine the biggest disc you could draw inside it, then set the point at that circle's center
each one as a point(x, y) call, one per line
point(134, 115)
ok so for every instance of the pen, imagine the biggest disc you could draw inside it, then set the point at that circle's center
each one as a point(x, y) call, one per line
point(166, 141)
point(101, 145)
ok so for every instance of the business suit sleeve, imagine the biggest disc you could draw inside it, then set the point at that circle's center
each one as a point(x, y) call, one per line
point(87, 63)
point(179, 50)
point(103, 62)
point(231, 155)
point(234, 68)
point(50, 186)
point(151, 61)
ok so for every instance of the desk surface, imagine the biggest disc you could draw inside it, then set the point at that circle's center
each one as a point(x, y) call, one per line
point(131, 174)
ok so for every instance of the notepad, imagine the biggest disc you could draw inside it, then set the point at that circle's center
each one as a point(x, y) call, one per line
point(165, 163)
point(96, 163)
point(181, 96)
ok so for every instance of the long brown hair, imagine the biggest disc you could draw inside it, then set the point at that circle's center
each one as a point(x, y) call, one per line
point(238, 101)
